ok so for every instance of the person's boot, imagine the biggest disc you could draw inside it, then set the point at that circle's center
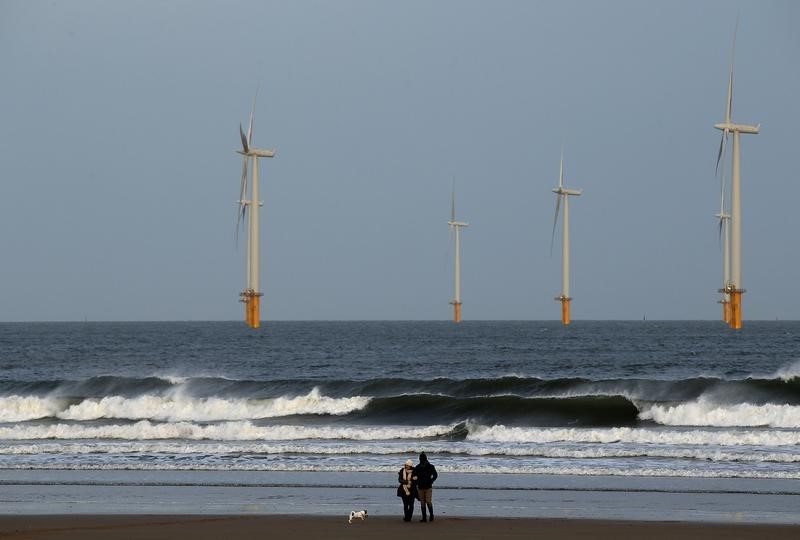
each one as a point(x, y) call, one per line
point(424, 517)
point(430, 511)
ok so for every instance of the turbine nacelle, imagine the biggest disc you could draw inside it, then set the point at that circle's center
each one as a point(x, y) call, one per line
point(741, 128)
point(458, 224)
point(257, 152)
point(565, 191)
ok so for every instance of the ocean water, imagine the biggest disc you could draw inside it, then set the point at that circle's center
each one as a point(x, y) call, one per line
point(610, 399)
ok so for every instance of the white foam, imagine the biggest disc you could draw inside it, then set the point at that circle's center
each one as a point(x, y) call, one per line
point(787, 373)
point(466, 467)
point(225, 431)
point(21, 408)
point(172, 379)
point(384, 448)
point(703, 412)
point(737, 437)
point(176, 406)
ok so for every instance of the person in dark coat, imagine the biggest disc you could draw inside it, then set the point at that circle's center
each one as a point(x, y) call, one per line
point(426, 475)
point(407, 490)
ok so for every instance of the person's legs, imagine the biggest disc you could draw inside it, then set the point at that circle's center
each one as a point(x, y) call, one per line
point(408, 508)
point(425, 503)
point(430, 510)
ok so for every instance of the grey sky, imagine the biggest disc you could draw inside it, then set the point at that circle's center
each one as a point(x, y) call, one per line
point(120, 120)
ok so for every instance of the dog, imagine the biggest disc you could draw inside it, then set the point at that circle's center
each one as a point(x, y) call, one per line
point(361, 514)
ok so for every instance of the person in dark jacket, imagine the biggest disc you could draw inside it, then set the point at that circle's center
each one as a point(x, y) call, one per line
point(407, 490)
point(426, 475)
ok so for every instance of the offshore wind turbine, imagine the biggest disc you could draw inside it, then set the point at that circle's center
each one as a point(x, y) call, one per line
point(563, 194)
point(733, 285)
point(249, 208)
point(455, 226)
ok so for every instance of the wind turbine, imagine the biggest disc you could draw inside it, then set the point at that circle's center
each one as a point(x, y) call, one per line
point(733, 285)
point(251, 296)
point(563, 193)
point(456, 227)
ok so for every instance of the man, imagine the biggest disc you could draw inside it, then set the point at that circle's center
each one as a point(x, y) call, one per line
point(426, 475)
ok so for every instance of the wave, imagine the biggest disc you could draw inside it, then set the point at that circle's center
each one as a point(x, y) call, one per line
point(512, 399)
point(381, 448)
point(569, 411)
point(445, 435)
point(174, 407)
point(225, 431)
point(789, 373)
point(471, 466)
point(580, 411)
point(782, 387)
point(625, 435)
point(705, 413)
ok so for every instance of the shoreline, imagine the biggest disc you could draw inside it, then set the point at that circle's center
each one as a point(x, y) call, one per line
point(456, 496)
point(300, 527)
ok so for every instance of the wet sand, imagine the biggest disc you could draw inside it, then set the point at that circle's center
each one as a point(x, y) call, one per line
point(146, 527)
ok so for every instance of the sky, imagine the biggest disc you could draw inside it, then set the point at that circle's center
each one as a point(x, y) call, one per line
point(118, 173)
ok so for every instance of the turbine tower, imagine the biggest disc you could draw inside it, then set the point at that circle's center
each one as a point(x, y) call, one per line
point(563, 193)
point(249, 206)
point(733, 285)
point(456, 227)
point(724, 236)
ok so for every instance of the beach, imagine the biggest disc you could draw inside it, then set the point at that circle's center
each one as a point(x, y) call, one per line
point(675, 431)
point(149, 527)
point(196, 505)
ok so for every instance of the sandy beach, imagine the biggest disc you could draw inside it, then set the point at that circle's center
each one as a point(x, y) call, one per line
point(86, 527)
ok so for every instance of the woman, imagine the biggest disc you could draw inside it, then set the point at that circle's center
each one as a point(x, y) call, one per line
point(407, 490)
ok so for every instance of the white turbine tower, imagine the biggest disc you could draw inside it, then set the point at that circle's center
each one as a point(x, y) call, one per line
point(733, 286)
point(251, 296)
point(456, 227)
point(724, 236)
point(563, 193)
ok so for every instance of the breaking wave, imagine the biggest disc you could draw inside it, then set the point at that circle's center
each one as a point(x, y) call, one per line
point(225, 431)
point(509, 400)
point(174, 407)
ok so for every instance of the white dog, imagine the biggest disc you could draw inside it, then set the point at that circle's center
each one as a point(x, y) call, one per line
point(361, 514)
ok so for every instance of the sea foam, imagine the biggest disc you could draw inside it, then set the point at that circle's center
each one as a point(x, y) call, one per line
point(225, 431)
point(175, 406)
point(703, 412)
point(729, 437)
point(787, 373)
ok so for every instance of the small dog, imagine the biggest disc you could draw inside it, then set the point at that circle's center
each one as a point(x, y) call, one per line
point(361, 514)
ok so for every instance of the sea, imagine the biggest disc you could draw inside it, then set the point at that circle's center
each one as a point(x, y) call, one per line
point(496, 399)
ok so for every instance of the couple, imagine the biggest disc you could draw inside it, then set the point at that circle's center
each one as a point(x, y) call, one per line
point(417, 483)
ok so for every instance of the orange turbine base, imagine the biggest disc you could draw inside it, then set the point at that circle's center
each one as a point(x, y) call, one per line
point(726, 312)
point(736, 310)
point(565, 311)
point(252, 312)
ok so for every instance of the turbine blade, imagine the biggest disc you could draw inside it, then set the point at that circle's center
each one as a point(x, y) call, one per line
point(555, 222)
point(245, 146)
point(719, 232)
point(561, 170)
point(252, 114)
point(729, 103)
point(242, 210)
point(719, 154)
point(453, 203)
